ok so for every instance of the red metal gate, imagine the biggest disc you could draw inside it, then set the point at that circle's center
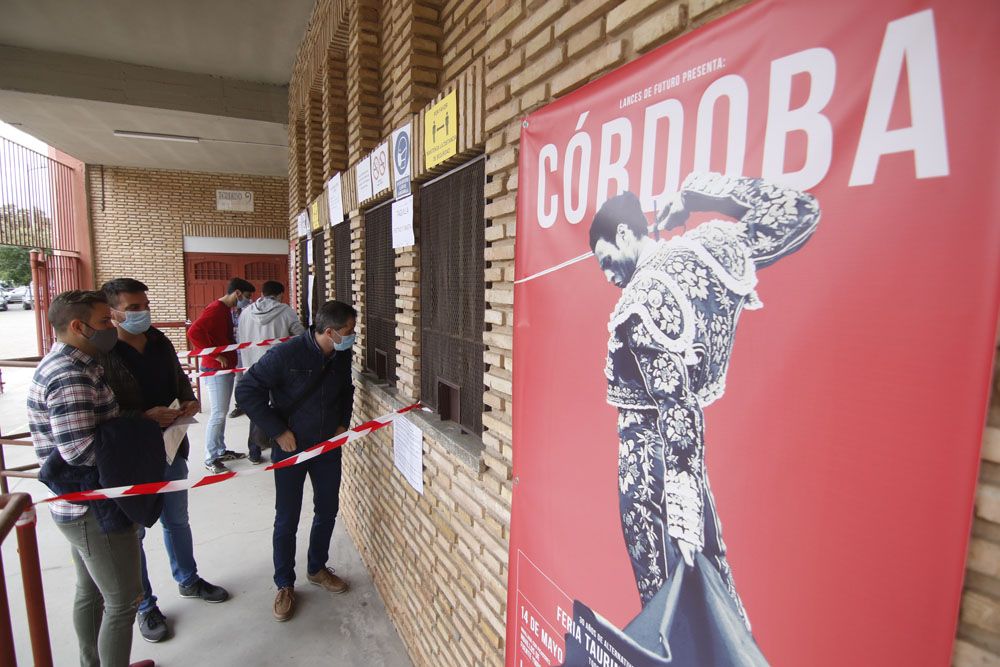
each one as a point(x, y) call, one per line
point(42, 210)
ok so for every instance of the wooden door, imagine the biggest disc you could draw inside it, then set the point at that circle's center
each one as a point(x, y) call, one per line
point(207, 274)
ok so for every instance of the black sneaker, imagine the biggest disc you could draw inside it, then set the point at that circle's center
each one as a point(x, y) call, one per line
point(237, 412)
point(256, 459)
point(230, 455)
point(216, 467)
point(153, 625)
point(204, 590)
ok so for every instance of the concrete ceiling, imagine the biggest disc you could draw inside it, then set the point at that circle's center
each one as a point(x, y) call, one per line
point(73, 72)
point(252, 40)
point(85, 130)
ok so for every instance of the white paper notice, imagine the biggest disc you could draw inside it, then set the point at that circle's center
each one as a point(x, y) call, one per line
point(309, 298)
point(363, 178)
point(309, 251)
point(334, 197)
point(402, 222)
point(381, 179)
point(302, 223)
point(408, 452)
point(401, 160)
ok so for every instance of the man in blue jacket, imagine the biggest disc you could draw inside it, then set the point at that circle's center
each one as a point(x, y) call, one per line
point(300, 394)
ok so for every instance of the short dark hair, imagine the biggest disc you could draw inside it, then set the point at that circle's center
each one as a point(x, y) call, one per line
point(75, 304)
point(272, 288)
point(113, 288)
point(624, 208)
point(334, 315)
point(241, 285)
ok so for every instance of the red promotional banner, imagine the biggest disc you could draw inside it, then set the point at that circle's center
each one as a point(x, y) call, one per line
point(757, 288)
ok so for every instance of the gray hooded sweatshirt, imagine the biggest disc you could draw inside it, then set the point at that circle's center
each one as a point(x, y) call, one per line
point(265, 318)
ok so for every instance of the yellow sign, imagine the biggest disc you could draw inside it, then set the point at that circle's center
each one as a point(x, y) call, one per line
point(441, 131)
point(314, 221)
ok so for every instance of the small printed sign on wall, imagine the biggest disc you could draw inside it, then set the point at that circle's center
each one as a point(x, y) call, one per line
point(401, 162)
point(234, 200)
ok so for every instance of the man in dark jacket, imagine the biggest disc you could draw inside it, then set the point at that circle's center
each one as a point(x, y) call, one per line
point(300, 394)
point(146, 378)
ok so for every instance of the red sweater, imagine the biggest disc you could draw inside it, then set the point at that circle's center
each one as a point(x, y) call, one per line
point(213, 327)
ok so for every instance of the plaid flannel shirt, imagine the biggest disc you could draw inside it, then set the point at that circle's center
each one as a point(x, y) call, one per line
point(67, 399)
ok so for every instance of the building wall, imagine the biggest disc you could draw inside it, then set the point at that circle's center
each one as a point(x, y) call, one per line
point(140, 217)
point(440, 560)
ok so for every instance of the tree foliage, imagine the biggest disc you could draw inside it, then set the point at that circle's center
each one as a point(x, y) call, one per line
point(20, 230)
point(25, 227)
point(15, 267)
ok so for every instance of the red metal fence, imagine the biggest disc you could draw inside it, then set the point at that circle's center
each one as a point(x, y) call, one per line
point(17, 512)
point(37, 207)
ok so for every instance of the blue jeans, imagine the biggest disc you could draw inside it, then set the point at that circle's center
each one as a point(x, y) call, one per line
point(220, 390)
point(176, 537)
point(324, 474)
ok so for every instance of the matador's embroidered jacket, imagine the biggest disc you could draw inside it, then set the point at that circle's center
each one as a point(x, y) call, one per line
point(668, 353)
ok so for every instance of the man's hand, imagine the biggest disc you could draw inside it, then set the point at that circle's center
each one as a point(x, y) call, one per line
point(688, 551)
point(674, 212)
point(222, 361)
point(286, 441)
point(162, 416)
point(190, 408)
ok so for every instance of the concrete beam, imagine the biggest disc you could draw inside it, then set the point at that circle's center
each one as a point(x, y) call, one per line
point(82, 77)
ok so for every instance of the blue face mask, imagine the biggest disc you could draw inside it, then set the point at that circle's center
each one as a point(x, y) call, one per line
point(137, 321)
point(244, 303)
point(346, 343)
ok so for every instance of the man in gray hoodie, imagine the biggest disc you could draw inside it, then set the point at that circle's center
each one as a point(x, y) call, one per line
point(267, 318)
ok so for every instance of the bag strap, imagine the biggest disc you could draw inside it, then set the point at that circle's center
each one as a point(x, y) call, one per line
point(313, 386)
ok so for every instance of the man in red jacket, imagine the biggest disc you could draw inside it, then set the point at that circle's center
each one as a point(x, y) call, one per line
point(214, 327)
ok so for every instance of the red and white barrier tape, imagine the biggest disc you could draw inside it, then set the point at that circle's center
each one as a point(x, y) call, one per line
point(152, 488)
point(218, 371)
point(210, 351)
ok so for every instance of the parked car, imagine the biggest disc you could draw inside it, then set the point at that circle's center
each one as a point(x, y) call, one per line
point(28, 301)
point(16, 295)
point(3, 300)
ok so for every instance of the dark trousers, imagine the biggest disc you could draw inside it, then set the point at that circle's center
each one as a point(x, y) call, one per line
point(324, 474)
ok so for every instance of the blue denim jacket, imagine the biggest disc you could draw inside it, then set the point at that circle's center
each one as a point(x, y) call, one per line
point(273, 384)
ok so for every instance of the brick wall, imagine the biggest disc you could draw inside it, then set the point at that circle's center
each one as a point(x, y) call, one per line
point(979, 628)
point(139, 219)
point(440, 560)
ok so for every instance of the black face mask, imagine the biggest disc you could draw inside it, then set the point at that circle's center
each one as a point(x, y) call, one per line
point(102, 339)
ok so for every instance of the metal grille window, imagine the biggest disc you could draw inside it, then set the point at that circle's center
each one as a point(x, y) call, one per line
point(342, 259)
point(318, 271)
point(303, 280)
point(380, 294)
point(211, 271)
point(259, 272)
point(452, 297)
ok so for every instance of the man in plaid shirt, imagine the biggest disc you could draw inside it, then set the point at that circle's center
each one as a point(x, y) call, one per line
point(67, 400)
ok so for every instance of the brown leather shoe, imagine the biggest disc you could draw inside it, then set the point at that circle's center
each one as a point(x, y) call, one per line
point(284, 603)
point(328, 580)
